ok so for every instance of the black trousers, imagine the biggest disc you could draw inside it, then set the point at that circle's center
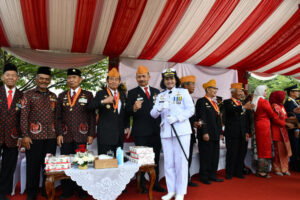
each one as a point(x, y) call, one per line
point(69, 186)
point(295, 146)
point(35, 162)
point(155, 143)
point(104, 148)
point(8, 165)
point(209, 158)
point(193, 141)
point(235, 156)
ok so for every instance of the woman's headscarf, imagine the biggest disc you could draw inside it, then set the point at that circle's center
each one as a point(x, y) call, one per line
point(258, 93)
point(277, 97)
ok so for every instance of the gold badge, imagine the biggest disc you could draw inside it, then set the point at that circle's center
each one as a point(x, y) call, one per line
point(108, 106)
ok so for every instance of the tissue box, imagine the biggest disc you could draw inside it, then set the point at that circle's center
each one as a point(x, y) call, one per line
point(142, 155)
point(140, 149)
point(105, 163)
point(144, 161)
point(53, 167)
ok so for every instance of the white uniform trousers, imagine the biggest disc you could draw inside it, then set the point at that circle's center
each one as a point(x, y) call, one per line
point(175, 163)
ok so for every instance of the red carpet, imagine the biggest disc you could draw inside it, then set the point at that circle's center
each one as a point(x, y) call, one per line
point(251, 188)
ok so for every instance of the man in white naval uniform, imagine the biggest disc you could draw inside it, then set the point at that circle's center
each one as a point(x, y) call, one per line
point(175, 106)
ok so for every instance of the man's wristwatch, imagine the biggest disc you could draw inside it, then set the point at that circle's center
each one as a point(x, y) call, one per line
point(102, 101)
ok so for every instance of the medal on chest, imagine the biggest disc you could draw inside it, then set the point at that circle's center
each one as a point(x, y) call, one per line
point(72, 101)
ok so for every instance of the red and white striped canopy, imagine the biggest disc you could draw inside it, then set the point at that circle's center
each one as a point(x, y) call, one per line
point(253, 35)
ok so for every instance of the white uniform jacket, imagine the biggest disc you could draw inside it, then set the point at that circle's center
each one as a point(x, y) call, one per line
point(176, 103)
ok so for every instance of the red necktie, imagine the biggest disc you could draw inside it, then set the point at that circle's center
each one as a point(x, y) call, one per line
point(73, 96)
point(9, 98)
point(147, 93)
point(115, 96)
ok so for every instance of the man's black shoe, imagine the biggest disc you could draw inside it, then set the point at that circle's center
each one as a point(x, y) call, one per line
point(216, 179)
point(192, 184)
point(3, 197)
point(246, 171)
point(83, 195)
point(228, 177)
point(31, 197)
point(240, 176)
point(158, 188)
point(205, 181)
point(65, 196)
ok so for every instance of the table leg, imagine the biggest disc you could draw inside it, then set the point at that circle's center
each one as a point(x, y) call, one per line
point(49, 186)
point(152, 176)
point(138, 182)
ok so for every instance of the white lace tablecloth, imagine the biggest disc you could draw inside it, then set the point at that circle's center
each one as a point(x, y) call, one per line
point(104, 184)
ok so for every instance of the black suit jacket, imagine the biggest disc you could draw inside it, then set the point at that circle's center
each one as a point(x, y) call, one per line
point(212, 121)
point(10, 118)
point(76, 124)
point(143, 123)
point(236, 124)
point(111, 124)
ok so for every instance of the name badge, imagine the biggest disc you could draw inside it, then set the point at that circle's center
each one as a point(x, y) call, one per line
point(82, 100)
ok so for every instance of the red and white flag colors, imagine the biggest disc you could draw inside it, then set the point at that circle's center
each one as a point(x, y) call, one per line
point(254, 35)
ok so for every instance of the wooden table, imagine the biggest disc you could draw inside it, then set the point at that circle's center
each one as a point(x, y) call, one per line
point(51, 177)
point(150, 169)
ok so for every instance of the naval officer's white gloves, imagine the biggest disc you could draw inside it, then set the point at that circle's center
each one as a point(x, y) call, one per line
point(171, 119)
point(163, 106)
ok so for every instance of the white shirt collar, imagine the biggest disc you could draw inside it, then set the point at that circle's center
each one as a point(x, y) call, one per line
point(76, 90)
point(173, 90)
point(147, 86)
point(143, 88)
point(113, 91)
point(7, 89)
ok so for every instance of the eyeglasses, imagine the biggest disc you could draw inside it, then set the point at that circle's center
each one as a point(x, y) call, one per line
point(113, 79)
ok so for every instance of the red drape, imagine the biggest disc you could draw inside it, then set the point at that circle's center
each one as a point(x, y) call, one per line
point(283, 41)
point(3, 39)
point(167, 22)
point(290, 62)
point(95, 25)
point(242, 76)
point(83, 24)
point(259, 15)
point(35, 22)
point(295, 71)
point(211, 24)
point(127, 17)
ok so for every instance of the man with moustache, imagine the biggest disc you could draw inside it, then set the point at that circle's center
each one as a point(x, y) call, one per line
point(209, 134)
point(75, 124)
point(111, 103)
point(145, 129)
point(38, 129)
point(10, 134)
point(236, 131)
point(188, 82)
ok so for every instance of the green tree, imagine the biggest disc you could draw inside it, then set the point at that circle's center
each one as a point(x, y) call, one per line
point(278, 83)
point(93, 75)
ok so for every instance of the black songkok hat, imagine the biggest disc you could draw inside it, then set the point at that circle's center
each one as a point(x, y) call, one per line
point(73, 71)
point(44, 70)
point(9, 67)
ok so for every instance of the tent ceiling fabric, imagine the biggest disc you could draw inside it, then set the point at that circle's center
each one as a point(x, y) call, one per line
point(253, 35)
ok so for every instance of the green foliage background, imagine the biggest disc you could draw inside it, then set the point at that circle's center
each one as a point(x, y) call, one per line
point(278, 83)
point(93, 75)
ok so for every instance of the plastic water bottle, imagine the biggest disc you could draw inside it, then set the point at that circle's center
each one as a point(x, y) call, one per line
point(120, 156)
